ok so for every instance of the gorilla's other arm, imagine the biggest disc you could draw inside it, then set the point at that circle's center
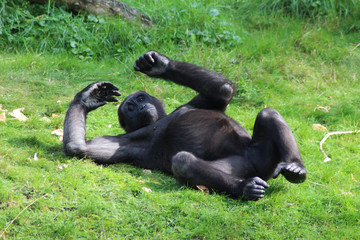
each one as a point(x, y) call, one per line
point(216, 91)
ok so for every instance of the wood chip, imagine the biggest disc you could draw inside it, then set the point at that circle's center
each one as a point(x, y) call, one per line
point(146, 189)
point(58, 132)
point(147, 171)
point(319, 127)
point(203, 188)
point(17, 113)
point(2, 117)
point(45, 119)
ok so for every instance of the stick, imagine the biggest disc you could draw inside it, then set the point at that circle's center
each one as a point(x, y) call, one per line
point(356, 46)
point(326, 137)
point(3, 233)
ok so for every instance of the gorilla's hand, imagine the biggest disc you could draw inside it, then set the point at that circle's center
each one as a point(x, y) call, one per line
point(97, 94)
point(293, 171)
point(253, 188)
point(152, 63)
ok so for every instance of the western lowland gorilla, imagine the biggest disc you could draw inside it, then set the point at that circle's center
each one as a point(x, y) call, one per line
point(198, 143)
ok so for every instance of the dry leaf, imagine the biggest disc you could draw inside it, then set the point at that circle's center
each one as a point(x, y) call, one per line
point(58, 132)
point(146, 189)
point(289, 204)
point(321, 108)
point(320, 127)
point(2, 117)
point(40, 16)
point(204, 189)
point(63, 166)
point(346, 193)
point(147, 171)
point(140, 181)
point(45, 119)
point(54, 115)
point(17, 113)
point(352, 177)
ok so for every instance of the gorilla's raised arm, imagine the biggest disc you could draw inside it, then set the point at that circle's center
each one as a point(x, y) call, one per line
point(105, 149)
point(216, 91)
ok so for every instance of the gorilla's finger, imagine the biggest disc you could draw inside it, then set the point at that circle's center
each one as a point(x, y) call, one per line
point(140, 65)
point(154, 55)
point(255, 192)
point(253, 197)
point(143, 60)
point(136, 67)
point(107, 85)
point(149, 58)
point(297, 170)
point(115, 93)
point(292, 168)
point(260, 187)
point(111, 99)
point(113, 86)
point(261, 182)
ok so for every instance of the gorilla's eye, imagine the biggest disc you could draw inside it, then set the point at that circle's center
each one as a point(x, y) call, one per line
point(130, 107)
point(141, 98)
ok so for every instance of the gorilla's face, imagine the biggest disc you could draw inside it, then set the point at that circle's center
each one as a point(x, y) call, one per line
point(139, 110)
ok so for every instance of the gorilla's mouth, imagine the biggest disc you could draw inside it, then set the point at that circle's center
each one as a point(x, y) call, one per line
point(150, 115)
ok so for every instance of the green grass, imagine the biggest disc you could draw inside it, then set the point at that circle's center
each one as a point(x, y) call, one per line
point(291, 63)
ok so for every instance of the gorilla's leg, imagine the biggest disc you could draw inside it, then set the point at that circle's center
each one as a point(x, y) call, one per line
point(273, 146)
point(217, 175)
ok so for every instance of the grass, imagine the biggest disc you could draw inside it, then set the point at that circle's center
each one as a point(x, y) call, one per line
point(291, 63)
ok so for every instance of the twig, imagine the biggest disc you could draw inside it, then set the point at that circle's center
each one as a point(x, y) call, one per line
point(356, 46)
point(328, 135)
point(3, 232)
point(315, 183)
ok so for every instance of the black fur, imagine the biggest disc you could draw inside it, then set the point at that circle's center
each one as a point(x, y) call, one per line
point(198, 143)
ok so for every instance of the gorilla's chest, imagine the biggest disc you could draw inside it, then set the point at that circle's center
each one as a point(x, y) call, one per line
point(207, 134)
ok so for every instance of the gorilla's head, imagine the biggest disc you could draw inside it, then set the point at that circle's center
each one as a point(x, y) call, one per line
point(138, 110)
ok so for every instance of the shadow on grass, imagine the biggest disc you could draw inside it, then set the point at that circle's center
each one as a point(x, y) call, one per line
point(155, 180)
point(273, 190)
point(165, 183)
point(33, 145)
point(161, 182)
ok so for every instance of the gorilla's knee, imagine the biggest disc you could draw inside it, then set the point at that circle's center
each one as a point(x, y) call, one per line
point(268, 114)
point(181, 164)
point(227, 92)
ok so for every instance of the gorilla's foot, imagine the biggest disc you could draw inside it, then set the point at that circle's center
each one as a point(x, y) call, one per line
point(294, 172)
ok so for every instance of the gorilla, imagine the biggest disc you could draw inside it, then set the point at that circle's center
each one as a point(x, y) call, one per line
point(197, 143)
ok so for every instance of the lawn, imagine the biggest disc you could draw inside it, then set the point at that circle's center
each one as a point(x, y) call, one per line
point(304, 64)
